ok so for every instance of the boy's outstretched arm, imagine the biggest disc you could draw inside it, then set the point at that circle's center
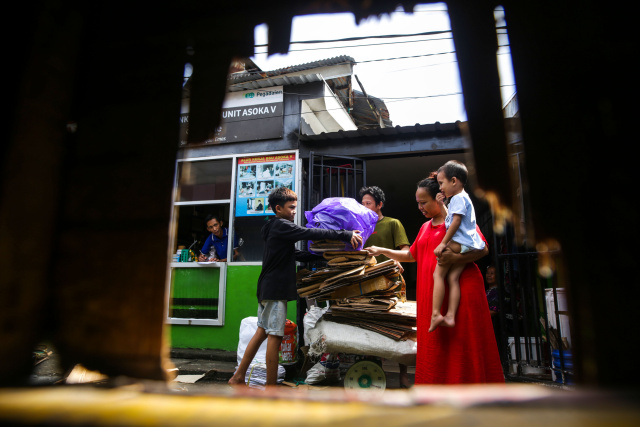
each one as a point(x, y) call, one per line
point(289, 231)
point(305, 256)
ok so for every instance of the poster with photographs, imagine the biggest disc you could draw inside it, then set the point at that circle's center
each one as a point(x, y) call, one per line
point(257, 177)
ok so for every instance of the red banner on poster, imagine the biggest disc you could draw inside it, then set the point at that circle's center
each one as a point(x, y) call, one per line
point(265, 159)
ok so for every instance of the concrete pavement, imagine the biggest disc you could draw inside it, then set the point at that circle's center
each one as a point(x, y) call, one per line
point(197, 369)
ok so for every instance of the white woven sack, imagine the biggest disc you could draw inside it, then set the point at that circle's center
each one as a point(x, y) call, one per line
point(257, 371)
point(332, 337)
point(248, 327)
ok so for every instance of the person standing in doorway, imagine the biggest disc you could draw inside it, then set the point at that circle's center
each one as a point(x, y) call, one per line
point(389, 233)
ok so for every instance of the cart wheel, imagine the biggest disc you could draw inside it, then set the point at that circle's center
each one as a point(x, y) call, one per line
point(365, 375)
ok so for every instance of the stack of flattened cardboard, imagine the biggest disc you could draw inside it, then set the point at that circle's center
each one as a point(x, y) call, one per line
point(348, 274)
point(398, 322)
point(363, 292)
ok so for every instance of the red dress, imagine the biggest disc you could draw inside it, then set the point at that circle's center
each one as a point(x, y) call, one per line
point(467, 353)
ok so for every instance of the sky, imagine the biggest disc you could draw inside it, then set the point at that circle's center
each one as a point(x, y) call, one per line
point(416, 76)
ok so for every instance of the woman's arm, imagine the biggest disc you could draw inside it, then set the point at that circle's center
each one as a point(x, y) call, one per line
point(402, 255)
point(449, 257)
point(402, 248)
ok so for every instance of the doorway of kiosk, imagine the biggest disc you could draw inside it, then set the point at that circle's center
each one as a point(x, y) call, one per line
point(398, 176)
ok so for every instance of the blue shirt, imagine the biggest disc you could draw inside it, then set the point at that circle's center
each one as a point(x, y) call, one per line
point(220, 243)
point(466, 235)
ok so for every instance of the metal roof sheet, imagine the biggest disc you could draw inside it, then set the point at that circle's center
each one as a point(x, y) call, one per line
point(434, 128)
point(258, 75)
point(274, 81)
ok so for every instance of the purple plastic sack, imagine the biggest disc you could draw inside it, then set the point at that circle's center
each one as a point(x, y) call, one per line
point(343, 213)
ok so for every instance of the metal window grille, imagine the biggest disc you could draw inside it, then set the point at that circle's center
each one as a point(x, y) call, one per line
point(334, 176)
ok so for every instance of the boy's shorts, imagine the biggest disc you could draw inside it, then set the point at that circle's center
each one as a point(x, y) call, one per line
point(272, 317)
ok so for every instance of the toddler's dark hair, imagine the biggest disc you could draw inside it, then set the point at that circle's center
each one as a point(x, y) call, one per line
point(455, 169)
point(281, 195)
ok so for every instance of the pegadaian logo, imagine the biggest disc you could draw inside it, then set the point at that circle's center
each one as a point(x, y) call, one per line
point(249, 95)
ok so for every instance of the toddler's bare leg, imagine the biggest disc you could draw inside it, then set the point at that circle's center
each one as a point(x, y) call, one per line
point(439, 275)
point(453, 277)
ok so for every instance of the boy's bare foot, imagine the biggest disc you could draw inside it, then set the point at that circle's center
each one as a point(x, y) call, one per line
point(436, 320)
point(449, 321)
point(236, 381)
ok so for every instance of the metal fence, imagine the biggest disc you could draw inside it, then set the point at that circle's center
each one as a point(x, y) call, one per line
point(532, 322)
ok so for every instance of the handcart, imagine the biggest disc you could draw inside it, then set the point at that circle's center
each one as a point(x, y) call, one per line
point(364, 348)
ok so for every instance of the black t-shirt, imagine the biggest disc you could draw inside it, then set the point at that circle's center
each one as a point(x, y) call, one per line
point(277, 280)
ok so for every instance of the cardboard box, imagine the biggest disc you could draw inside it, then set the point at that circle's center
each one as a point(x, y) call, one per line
point(379, 283)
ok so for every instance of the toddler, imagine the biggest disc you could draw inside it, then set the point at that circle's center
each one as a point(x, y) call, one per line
point(461, 237)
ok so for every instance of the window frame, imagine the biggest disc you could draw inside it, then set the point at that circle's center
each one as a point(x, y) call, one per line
point(231, 202)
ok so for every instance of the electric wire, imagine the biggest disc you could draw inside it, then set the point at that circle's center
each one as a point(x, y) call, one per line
point(501, 30)
point(354, 46)
point(382, 36)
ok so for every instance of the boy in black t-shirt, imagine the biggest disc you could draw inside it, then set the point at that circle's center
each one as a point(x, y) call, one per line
point(277, 281)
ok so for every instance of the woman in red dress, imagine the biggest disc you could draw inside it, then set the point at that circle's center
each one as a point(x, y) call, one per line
point(466, 353)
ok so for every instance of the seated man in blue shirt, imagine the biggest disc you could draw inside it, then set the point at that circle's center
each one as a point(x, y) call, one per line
point(219, 238)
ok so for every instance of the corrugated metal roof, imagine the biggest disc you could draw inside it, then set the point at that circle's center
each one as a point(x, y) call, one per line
point(434, 128)
point(337, 60)
point(274, 81)
point(343, 59)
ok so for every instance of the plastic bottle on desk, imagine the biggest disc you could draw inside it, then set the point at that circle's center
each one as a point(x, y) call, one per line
point(212, 253)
